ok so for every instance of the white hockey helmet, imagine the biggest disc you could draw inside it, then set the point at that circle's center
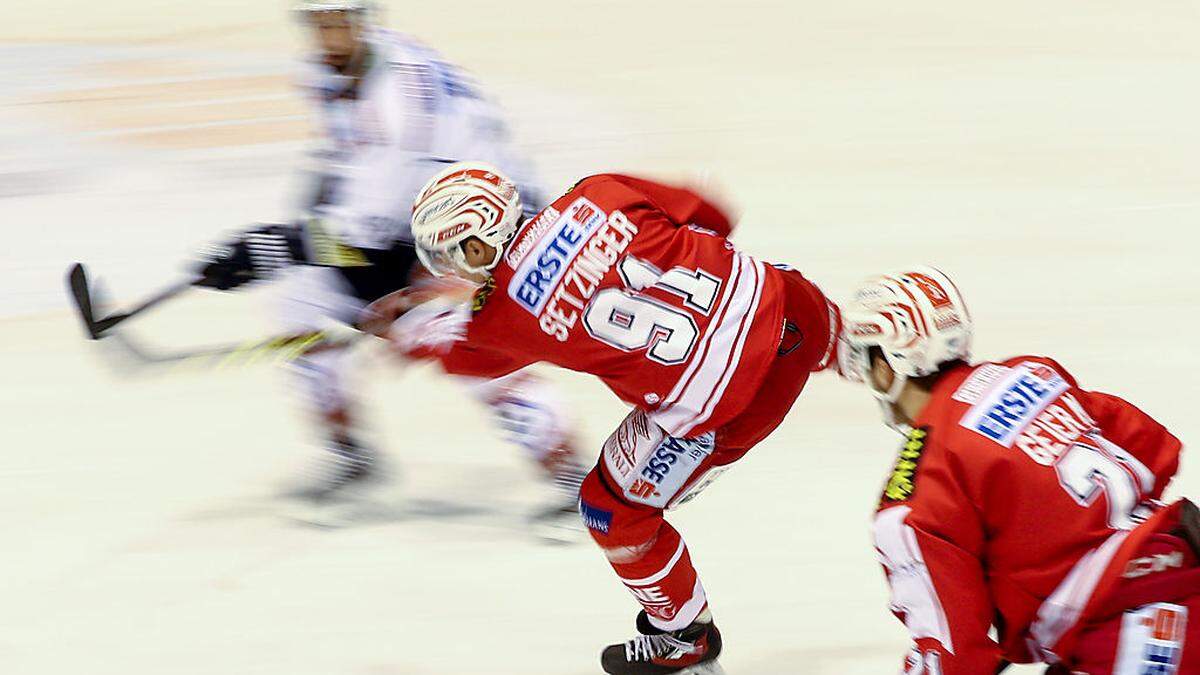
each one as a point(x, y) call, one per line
point(364, 11)
point(468, 199)
point(916, 318)
point(306, 7)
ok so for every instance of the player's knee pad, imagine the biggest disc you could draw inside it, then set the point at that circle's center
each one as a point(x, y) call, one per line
point(624, 531)
point(654, 469)
point(528, 412)
point(320, 380)
point(309, 299)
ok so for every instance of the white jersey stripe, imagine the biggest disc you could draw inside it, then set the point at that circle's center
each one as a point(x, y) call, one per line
point(724, 331)
point(705, 342)
point(727, 361)
point(736, 357)
point(913, 592)
point(719, 361)
point(1061, 611)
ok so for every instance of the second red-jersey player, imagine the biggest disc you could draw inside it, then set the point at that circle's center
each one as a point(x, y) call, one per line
point(1021, 522)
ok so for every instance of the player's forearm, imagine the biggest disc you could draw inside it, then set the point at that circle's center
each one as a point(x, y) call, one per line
point(419, 330)
point(686, 206)
point(710, 216)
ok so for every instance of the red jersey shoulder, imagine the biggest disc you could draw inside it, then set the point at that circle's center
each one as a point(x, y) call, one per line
point(601, 180)
point(609, 191)
point(590, 197)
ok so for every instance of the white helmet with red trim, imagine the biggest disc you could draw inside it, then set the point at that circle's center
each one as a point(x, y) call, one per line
point(916, 317)
point(469, 199)
point(305, 7)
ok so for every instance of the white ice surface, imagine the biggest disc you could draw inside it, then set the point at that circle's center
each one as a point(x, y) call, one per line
point(1045, 154)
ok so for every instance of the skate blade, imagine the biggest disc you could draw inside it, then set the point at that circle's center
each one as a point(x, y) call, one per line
point(357, 506)
point(340, 514)
point(558, 533)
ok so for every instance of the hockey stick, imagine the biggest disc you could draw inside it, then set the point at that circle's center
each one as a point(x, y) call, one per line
point(81, 294)
point(285, 347)
point(273, 349)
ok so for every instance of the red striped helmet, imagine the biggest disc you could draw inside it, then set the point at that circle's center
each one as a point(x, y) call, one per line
point(917, 318)
point(469, 199)
point(317, 6)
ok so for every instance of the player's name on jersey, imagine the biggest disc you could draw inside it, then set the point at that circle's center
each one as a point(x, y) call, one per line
point(1054, 430)
point(563, 269)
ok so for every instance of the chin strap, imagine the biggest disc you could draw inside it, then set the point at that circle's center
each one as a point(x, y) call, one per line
point(887, 402)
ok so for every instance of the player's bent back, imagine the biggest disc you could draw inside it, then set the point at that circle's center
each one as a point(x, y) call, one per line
point(1019, 501)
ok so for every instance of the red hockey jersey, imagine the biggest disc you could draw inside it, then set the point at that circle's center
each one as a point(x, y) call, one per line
point(1011, 505)
point(636, 283)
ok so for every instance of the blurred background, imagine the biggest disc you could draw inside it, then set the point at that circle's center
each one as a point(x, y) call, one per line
point(1042, 154)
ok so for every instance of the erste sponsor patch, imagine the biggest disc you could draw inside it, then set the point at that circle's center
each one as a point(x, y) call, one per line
point(546, 262)
point(1013, 401)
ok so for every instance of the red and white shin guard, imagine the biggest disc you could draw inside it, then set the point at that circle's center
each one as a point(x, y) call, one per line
point(664, 581)
point(648, 555)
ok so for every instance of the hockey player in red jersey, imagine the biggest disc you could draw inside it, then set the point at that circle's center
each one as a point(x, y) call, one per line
point(634, 282)
point(1020, 502)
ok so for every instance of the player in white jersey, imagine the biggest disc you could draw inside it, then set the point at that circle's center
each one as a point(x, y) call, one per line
point(391, 112)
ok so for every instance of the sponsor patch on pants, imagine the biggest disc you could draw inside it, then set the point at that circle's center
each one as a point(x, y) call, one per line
point(662, 473)
point(1152, 640)
point(595, 519)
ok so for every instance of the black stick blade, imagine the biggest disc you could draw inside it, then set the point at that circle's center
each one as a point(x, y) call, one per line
point(77, 285)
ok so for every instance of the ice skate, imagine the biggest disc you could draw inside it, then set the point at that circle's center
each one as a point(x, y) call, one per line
point(558, 521)
point(691, 650)
point(344, 487)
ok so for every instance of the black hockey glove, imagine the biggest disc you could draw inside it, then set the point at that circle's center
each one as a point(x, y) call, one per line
point(253, 255)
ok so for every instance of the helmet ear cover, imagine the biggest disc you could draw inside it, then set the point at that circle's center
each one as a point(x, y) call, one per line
point(467, 200)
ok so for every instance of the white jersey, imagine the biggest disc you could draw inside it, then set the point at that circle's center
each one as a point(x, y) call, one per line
point(411, 114)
